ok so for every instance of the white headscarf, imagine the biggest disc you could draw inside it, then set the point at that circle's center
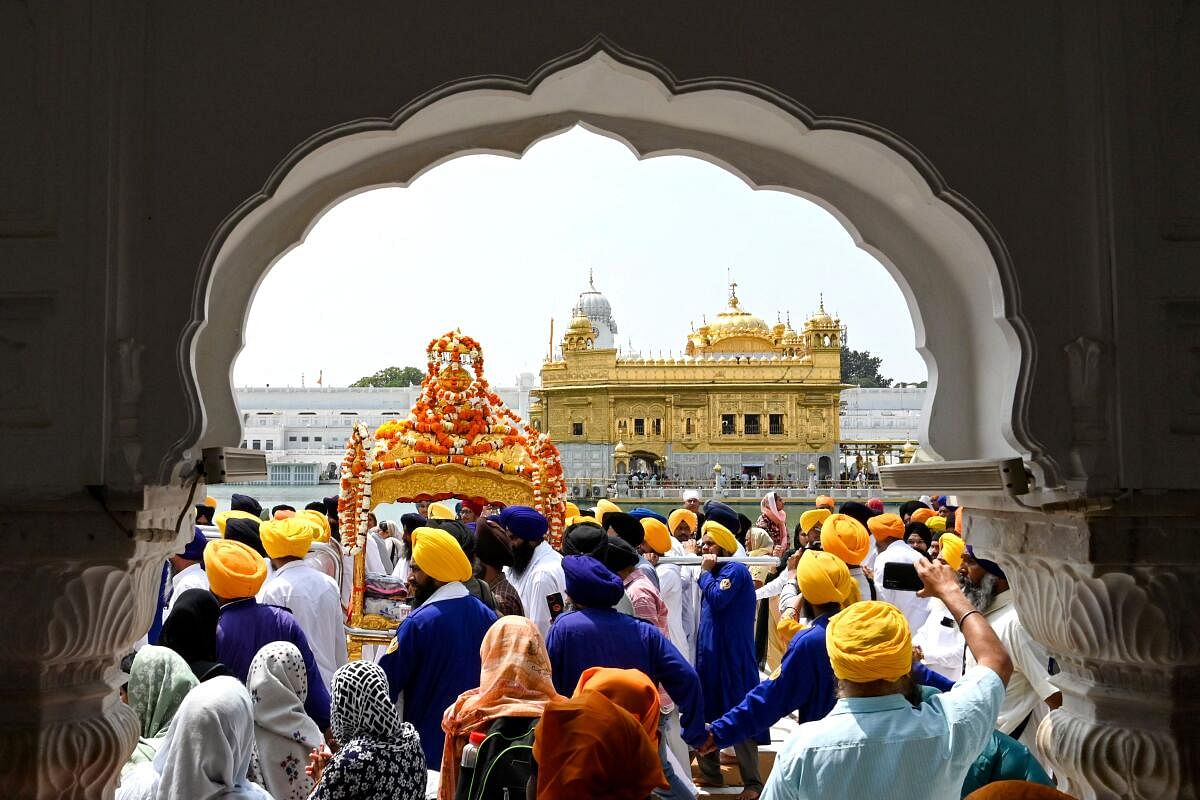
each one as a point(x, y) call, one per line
point(283, 733)
point(206, 752)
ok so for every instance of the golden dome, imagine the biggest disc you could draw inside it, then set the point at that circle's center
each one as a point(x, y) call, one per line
point(580, 325)
point(822, 319)
point(736, 321)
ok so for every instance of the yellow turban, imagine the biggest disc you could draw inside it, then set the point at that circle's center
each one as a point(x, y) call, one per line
point(936, 524)
point(683, 515)
point(846, 538)
point(824, 501)
point(811, 517)
point(952, 549)
point(287, 537)
point(657, 535)
point(886, 526)
point(320, 520)
point(582, 518)
point(921, 514)
point(441, 511)
point(824, 578)
point(721, 535)
point(869, 641)
point(570, 510)
point(605, 507)
point(438, 555)
point(211, 502)
point(234, 570)
point(220, 519)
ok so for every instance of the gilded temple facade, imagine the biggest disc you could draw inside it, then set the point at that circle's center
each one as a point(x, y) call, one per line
point(758, 400)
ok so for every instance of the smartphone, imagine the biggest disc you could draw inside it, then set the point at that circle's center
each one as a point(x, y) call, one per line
point(556, 604)
point(901, 577)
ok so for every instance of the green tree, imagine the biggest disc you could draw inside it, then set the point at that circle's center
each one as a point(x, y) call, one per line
point(392, 377)
point(861, 368)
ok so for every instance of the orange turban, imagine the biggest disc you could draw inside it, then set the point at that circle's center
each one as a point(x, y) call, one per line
point(721, 535)
point(234, 570)
point(320, 520)
point(846, 538)
point(657, 535)
point(886, 526)
point(958, 519)
point(283, 513)
point(869, 641)
point(810, 518)
point(921, 514)
point(952, 549)
point(439, 555)
point(211, 502)
point(824, 578)
point(287, 537)
point(824, 501)
point(683, 515)
point(1016, 790)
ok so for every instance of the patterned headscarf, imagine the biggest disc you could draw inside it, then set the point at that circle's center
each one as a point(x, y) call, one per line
point(361, 706)
point(159, 679)
point(283, 733)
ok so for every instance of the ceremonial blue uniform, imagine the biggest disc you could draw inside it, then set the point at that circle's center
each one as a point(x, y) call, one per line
point(725, 642)
point(245, 626)
point(434, 659)
point(604, 637)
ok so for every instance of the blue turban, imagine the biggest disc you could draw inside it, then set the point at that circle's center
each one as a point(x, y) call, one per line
point(590, 583)
point(524, 522)
point(194, 550)
point(642, 513)
point(990, 567)
point(719, 512)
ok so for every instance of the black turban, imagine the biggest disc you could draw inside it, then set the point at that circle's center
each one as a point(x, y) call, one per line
point(719, 512)
point(465, 539)
point(620, 555)
point(491, 545)
point(585, 539)
point(240, 529)
point(919, 529)
point(244, 502)
point(907, 508)
point(625, 526)
point(858, 511)
point(316, 505)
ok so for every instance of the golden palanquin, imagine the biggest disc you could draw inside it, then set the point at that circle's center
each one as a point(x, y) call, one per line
point(459, 441)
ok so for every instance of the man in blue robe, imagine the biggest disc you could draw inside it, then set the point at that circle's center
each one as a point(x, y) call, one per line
point(725, 650)
point(435, 655)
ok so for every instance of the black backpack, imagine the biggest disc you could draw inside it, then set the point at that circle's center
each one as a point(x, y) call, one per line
point(504, 764)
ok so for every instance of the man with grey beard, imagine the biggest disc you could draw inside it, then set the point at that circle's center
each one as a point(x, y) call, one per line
point(1029, 693)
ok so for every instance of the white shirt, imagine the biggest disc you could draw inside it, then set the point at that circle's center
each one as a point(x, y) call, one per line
point(1030, 683)
point(192, 577)
point(941, 642)
point(915, 609)
point(543, 577)
point(315, 601)
point(670, 588)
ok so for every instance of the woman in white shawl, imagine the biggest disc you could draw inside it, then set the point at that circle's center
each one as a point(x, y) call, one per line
point(206, 752)
point(283, 734)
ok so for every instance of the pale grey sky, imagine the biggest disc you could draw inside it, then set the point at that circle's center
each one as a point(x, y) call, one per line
point(497, 246)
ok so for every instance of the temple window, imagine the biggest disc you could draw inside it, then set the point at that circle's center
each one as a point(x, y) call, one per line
point(751, 425)
point(688, 427)
point(775, 424)
point(577, 429)
point(657, 426)
point(728, 426)
point(639, 427)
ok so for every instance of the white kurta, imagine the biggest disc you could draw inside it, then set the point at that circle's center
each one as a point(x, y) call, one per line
point(915, 609)
point(315, 601)
point(670, 588)
point(192, 577)
point(942, 644)
point(543, 577)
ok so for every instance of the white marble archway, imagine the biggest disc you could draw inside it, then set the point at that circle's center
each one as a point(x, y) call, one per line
point(936, 246)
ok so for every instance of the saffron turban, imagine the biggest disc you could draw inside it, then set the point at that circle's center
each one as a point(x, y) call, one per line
point(657, 535)
point(589, 583)
point(234, 569)
point(952, 549)
point(625, 526)
point(683, 515)
point(869, 641)
point(570, 511)
point(194, 550)
point(887, 526)
point(283, 513)
point(438, 555)
point(222, 519)
point(846, 538)
point(810, 518)
point(922, 514)
point(319, 519)
point(524, 522)
point(287, 537)
point(958, 519)
point(719, 512)
point(723, 537)
point(876, 505)
point(824, 578)
point(605, 507)
point(824, 501)
point(441, 511)
point(210, 501)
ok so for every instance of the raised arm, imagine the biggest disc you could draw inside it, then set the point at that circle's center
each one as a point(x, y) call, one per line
point(942, 582)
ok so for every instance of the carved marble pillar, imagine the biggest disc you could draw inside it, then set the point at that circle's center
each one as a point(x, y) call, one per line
point(79, 587)
point(1113, 592)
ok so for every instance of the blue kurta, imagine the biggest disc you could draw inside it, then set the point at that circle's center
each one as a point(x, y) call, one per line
point(244, 627)
point(433, 660)
point(604, 637)
point(725, 642)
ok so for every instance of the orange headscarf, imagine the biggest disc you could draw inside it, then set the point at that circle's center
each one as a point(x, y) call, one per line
point(1017, 790)
point(514, 681)
point(592, 746)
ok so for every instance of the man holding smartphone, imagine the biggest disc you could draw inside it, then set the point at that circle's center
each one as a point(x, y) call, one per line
point(880, 739)
point(888, 530)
